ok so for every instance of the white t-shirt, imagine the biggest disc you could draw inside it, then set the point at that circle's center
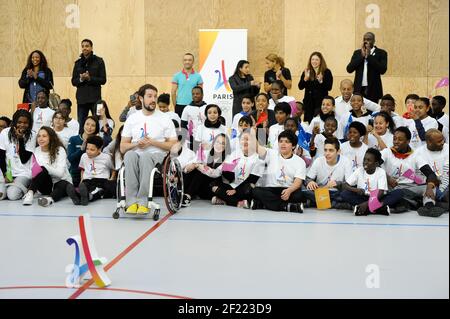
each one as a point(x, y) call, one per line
point(12, 154)
point(109, 149)
point(194, 114)
point(396, 167)
point(319, 143)
point(274, 131)
point(355, 155)
point(436, 160)
point(206, 135)
point(74, 127)
point(444, 120)
point(398, 120)
point(318, 121)
point(64, 135)
point(187, 156)
point(58, 170)
point(343, 107)
point(387, 138)
point(173, 116)
point(285, 98)
point(281, 172)
point(343, 121)
point(237, 117)
point(97, 167)
point(428, 123)
point(362, 180)
point(322, 173)
point(246, 166)
point(42, 117)
point(156, 126)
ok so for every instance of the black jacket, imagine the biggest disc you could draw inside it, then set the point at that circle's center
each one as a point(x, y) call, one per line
point(314, 93)
point(241, 87)
point(46, 83)
point(89, 91)
point(376, 66)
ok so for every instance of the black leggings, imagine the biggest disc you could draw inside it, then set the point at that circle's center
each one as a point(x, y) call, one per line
point(196, 183)
point(108, 186)
point(243, 192)
point(43, 183)
point(270, 197)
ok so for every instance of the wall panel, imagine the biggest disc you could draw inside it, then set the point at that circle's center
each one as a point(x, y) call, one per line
point(116, 27)
point(438, 38)
point(41, 25)
point(403, 33)
point(313, 25)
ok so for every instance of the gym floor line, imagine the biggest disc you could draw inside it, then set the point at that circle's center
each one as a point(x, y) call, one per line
point(242, 220)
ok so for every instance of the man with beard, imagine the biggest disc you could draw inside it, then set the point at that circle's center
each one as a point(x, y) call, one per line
point(147, 136)
point(88, 76)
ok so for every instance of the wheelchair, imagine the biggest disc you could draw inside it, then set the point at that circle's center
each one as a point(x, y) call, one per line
point(166, 180)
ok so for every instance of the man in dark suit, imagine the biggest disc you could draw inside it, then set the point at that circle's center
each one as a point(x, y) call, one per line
point(370, 63)
point(88, 75)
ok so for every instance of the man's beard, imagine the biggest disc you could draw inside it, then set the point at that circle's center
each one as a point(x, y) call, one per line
point(150, 107)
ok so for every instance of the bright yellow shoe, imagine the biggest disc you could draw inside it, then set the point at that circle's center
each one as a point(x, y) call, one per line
point(142, 210)
point(132, 209)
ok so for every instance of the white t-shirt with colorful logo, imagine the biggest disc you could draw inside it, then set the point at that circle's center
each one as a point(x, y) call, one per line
point(96, 167)
point(281, 172)
point(157, 126)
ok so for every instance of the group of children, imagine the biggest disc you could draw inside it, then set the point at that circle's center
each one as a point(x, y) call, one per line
point(267, 158)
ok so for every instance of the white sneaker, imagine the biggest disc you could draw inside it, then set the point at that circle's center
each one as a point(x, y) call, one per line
point(217, 201)
point(45, 201)
point(28, 198)
point(243, 204)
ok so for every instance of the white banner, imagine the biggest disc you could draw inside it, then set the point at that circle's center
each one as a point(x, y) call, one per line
point(220, 51)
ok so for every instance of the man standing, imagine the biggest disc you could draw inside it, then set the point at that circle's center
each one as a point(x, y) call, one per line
point(147, 137)
point(88, 76)
point(370, 63)
point(183, 82)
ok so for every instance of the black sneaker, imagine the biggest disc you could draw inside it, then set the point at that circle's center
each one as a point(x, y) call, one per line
point(84, 194)
point(72, 193)
point(97, 193)
point(295, 208)
point(385, 210)
point(433, 211)
point(186, 202)
point(399, 209)
point(342, 205)
point(256, 204)
point(357, 211)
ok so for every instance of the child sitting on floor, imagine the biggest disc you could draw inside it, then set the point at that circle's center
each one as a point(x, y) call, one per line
point(96, 170)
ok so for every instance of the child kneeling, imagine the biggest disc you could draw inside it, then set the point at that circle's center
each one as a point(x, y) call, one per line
point(95, 174)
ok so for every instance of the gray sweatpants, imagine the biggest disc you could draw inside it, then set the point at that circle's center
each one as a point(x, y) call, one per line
point(413, 191)
point(138, 168)
point(18, 188)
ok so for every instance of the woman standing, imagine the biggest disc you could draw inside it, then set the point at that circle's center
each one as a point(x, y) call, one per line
point(317, 80)
point(277, 71)
point(242, 83)
point(36, 76)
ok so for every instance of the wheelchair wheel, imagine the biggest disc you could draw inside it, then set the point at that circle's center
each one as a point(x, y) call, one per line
point(116, 214)
point(172, 184)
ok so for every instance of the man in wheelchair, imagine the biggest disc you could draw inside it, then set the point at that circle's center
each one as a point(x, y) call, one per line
point(147, 137)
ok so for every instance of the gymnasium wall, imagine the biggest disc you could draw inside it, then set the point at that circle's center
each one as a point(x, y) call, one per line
point(144, 40)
